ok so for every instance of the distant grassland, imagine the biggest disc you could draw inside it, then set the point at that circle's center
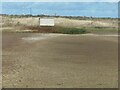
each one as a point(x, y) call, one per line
point(65, 25)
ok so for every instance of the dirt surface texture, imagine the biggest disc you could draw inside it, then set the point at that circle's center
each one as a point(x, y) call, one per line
point(34, 60)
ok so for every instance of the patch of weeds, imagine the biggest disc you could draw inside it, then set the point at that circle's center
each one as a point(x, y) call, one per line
point(70, 30)
point(57, 29)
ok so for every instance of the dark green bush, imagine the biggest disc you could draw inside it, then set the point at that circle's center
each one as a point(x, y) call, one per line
point(70, 31)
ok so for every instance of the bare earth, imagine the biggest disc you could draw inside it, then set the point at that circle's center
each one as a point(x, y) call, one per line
point(63, 61)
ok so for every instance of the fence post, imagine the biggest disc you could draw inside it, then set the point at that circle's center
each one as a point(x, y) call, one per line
point(39, 22)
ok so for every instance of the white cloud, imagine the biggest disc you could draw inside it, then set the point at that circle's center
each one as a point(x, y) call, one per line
point(59, 0)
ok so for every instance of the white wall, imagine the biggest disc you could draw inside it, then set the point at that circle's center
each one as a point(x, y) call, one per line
point(46, 22)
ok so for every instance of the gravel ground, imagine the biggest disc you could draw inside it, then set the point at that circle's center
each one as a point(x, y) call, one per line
point(62, 61)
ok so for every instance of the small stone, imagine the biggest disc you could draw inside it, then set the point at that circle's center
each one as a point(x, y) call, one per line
point(59, 83)
point(26, 86)
point(19, 80)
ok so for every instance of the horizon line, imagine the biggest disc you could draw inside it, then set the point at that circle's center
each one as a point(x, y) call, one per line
point(57, 15)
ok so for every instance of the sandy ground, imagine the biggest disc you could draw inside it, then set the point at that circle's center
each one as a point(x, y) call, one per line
point(62, 61)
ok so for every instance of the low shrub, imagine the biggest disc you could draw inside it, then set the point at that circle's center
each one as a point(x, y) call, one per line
point(70, 31)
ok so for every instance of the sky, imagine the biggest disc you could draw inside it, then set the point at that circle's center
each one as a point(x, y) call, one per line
point(60, 0)
point(94, 9)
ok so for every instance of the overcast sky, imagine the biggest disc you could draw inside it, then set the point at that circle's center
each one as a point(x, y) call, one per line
point(94, 9)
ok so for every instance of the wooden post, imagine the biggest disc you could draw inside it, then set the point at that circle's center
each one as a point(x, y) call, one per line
point(39, 22)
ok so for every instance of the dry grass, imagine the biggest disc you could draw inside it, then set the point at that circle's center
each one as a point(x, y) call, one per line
point(85, 23)
point(32, 23)
point(61, 22)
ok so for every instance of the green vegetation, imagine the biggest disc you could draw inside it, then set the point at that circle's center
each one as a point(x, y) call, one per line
point(62, 30)
point(56, 29)
point(58, 16)
point(70, 30)
point(101, 30)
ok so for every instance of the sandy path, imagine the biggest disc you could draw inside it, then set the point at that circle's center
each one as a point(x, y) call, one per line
point(60, 61)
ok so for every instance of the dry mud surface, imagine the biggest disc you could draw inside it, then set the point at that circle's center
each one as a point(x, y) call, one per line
point(63, 61)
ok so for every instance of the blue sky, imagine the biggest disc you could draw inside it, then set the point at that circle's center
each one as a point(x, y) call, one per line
point(94, 9)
